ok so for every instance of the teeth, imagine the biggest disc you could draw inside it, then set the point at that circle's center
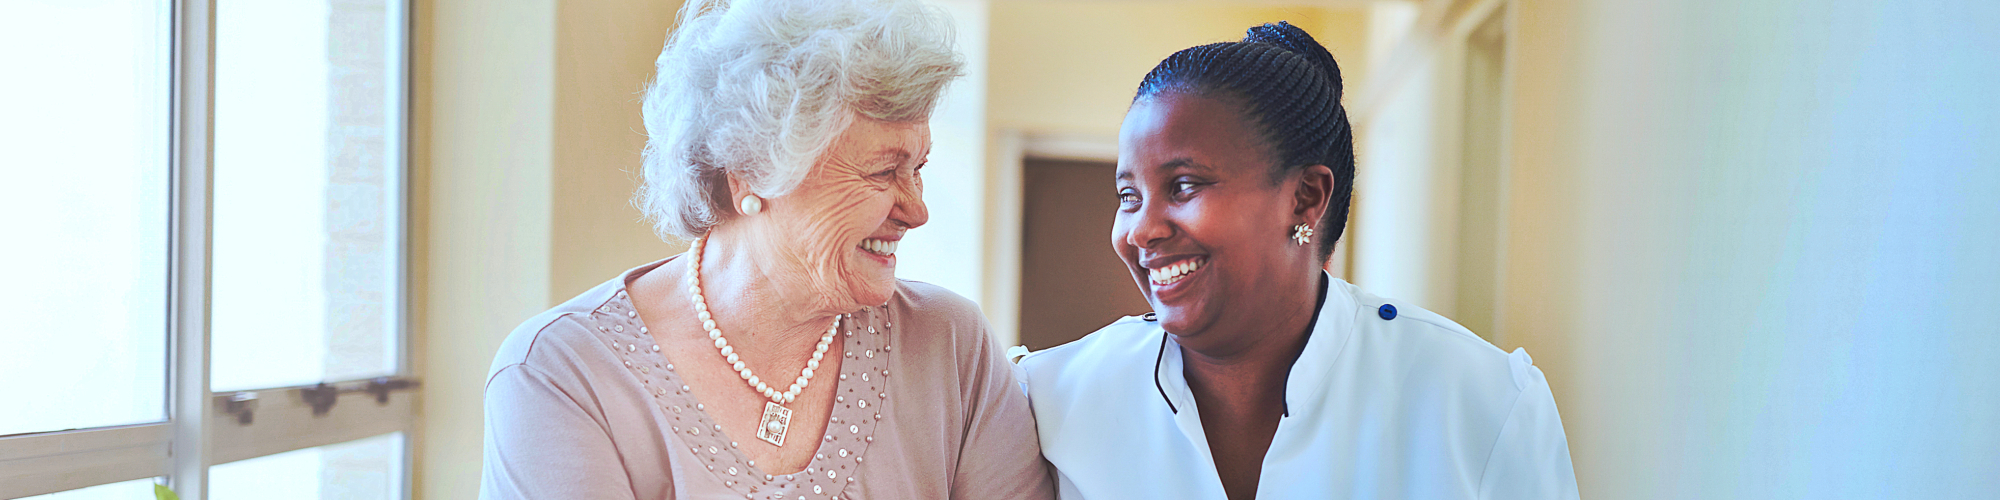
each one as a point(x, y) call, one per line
point(881, 247)
point(1171, 273)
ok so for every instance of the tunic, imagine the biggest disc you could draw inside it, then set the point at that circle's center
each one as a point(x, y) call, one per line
point(1387, 400)
point(581, 403)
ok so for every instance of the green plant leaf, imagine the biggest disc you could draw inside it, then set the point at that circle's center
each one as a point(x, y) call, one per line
point(162, 492)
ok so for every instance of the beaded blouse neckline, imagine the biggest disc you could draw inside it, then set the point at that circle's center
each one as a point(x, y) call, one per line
point(861, 398)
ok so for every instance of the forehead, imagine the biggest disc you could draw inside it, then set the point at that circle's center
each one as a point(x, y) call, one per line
point(1173, 130)
point(872, 141)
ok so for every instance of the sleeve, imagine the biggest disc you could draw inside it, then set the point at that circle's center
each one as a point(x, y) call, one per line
point(541, 444)
point(1001, 457)
point(1530, 459)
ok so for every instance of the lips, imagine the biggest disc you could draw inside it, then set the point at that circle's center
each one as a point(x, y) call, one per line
point(1172, 273)
point(878, 246)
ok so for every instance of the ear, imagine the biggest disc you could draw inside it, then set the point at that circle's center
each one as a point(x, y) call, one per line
point(1312, 193)
point(737, 188)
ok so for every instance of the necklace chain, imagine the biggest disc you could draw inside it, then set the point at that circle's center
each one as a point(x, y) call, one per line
point(729, 352)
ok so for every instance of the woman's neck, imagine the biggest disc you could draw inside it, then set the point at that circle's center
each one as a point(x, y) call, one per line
point(751, 301)
point(1239, 385)
point(1246, 370)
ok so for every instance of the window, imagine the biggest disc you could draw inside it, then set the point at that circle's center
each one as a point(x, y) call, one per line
point(137, 488)
point(86, 292)
point(304, 191)
point(205, 220)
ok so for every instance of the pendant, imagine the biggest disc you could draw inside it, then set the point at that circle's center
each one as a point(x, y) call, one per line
point(777, 419)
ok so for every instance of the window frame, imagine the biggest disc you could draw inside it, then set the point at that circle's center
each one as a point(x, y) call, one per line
point(202, 428)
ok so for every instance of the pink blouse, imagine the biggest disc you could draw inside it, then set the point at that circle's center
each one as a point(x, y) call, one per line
point(581, 403)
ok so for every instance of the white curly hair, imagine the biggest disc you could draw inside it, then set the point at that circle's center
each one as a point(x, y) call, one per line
point(759, 89)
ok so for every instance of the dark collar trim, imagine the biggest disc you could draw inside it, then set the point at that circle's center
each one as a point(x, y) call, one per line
point(1159, 359)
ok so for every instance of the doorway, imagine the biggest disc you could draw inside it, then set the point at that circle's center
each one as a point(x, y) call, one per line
point(1072, 283)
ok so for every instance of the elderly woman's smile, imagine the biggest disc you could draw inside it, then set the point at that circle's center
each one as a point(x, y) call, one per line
point(843, 223)
point(882, 247)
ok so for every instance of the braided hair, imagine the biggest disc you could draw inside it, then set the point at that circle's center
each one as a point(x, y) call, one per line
point(1288, 87)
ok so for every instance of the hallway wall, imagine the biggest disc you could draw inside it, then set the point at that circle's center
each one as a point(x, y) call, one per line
point(1754, 245)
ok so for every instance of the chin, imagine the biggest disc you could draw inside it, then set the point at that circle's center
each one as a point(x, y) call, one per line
point(874, 293)
point(1180, 321)
point(1173, 323)
point(871, 289)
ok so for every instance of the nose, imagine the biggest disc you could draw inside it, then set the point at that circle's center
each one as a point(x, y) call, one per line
point(1148, 226)
point(910, 211)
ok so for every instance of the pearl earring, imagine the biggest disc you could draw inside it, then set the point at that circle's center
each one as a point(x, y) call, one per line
point(1302, 234)
point(751, 205)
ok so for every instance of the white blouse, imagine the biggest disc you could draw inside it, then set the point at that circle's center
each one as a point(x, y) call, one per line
point(1387, 401)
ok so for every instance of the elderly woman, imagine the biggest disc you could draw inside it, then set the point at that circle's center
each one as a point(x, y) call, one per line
point(779, 357)
point(1258, 375)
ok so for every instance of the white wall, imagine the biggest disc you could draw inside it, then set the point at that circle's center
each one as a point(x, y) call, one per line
point(1755, 245)
point(1791, 250)
point(1399, 234)
point(947, 251)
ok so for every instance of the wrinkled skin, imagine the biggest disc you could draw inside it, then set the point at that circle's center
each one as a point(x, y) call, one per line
point(775, 280)
point(868, 185)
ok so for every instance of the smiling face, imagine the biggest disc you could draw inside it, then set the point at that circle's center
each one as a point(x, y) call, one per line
point(1201, 225)
point(836, 234)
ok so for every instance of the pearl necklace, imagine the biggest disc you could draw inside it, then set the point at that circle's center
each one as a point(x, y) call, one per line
point(777, 418)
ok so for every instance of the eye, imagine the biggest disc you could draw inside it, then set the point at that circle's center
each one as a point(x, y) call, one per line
point(885, 174)
point(1128, 199)
point(1181, 186)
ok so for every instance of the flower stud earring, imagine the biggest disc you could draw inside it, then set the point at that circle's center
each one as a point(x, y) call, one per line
point(1302, 234)
point(751, 205)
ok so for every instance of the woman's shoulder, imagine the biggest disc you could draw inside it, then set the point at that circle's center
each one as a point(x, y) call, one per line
point(1124, 341)
point(935, 301)
point(946, 319)
point(1398, 332)
point(558, 339)
point(1098, 366)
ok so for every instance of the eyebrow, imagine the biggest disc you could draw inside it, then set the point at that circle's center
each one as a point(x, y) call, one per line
point(896, 154)
point(888, 155)
point(1176, 163)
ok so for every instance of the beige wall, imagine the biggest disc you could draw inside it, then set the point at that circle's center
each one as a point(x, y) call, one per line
point(1070, 68)
point(483, 91)
point(1541, 242)
point(604, 59)
point(525, 133)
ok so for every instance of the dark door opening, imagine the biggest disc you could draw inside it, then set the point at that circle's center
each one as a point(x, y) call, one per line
point(1072, 283)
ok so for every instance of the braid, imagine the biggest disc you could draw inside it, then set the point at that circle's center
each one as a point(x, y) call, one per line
point(1289, 88)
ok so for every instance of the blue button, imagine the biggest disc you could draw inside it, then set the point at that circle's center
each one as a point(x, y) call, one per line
point(1386, 312)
